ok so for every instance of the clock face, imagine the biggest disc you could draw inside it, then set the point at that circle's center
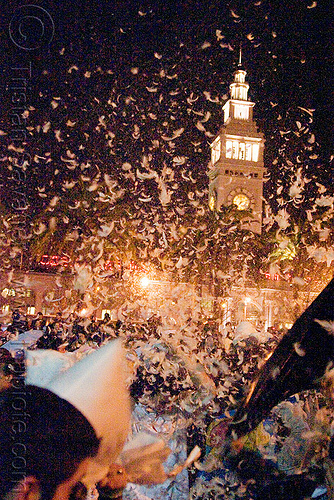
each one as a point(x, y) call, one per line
point(241, 201)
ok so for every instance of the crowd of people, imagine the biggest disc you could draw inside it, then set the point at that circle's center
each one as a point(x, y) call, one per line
point(229, 356)
point(62, 333)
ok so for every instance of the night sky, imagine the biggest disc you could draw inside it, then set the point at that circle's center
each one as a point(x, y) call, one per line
point(292, 37)
point(148, 69)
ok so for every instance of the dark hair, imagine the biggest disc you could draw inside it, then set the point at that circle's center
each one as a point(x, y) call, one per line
point(41, 435)
point(8, 366)
point(5, 356)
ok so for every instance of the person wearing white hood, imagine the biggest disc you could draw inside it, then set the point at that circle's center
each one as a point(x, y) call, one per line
point(52, 437)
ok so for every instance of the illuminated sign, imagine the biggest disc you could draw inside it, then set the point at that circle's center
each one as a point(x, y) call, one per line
point(286, 276)
point(272, 277)
point(54, 260)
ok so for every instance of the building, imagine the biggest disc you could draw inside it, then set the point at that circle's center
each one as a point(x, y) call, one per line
point(236, 168)
point(236, 175)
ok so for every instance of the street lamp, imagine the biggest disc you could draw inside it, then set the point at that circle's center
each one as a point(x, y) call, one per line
point(145, 281)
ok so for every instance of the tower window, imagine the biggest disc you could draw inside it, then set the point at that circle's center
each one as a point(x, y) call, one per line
point(228, 149)
point(242, 151)
point(248, 152)
point(235, 148)
point(215, 151)
point(255, 152)
point(239, 77)
point(240, 111)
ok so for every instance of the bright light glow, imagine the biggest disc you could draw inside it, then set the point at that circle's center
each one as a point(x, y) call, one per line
point(145, 281)
point(247, 300)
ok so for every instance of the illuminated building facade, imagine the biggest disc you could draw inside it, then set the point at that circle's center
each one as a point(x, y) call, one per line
point(236, 168)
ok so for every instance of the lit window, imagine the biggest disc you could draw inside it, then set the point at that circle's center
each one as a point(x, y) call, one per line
point(31, 310)
point(235, 149)
point(215, 151)
point(228, 149)
point(242, 151)
point(248, 152)
point(255, 152)
point(8, 292)
point(240, 111)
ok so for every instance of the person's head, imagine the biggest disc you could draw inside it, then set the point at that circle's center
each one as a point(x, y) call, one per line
point(7, 369)
point(5, 355)
point(16, 315)
point(45, 445)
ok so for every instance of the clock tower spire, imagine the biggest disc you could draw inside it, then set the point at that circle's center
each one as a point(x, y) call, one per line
point(236, 168)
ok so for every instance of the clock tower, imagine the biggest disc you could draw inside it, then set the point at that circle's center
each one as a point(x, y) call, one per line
point(236, 168)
